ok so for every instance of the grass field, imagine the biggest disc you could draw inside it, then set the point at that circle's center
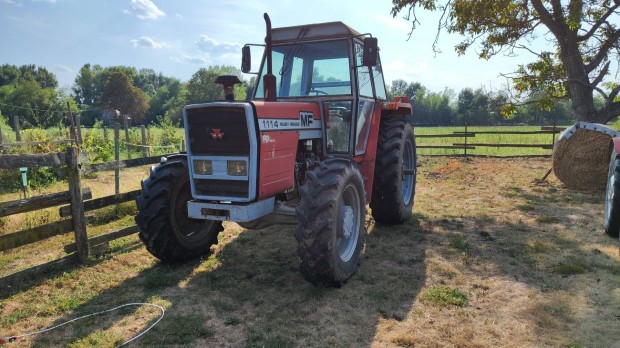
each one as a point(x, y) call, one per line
point(481, 138)
point(168, 139)
point(492, 258)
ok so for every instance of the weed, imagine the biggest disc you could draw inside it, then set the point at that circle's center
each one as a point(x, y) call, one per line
point(571, 266)
point(231, 321)
point(525, 207)
point(538, 247)
point(177, 330)
point(544, 219)
point(459, 243)
point(443, 296)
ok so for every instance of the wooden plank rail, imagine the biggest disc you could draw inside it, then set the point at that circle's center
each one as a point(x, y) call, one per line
point(455, 146)
point(121, 164)
point(102, 202)
point(39, 202)
point(32, 161)
point(69, 248)
point(35, 234)
point(452, 135)
point(544, 146)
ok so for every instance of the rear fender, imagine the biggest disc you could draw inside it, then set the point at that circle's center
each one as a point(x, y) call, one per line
point(616, 145)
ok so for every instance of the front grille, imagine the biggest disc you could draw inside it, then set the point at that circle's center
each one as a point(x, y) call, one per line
point(230, 121)
point(221, 188)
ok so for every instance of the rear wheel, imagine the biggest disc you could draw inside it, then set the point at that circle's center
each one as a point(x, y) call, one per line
point(166, 230)
point(395, 172)
point(331, 232)
point(612, 198)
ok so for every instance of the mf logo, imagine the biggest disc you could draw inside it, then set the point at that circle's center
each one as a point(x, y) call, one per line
point(217, 134)
point(306, 119)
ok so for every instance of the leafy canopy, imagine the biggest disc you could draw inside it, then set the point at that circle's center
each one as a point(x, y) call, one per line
point(583, 37)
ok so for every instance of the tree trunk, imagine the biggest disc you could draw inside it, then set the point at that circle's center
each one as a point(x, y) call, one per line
point(578, 83)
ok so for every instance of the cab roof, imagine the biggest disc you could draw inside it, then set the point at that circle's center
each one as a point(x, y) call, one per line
point(312, 32)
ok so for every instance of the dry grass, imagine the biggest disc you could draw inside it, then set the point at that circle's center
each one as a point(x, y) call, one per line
point(530, 261)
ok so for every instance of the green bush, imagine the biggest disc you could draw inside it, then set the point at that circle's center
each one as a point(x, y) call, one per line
point(98, 148)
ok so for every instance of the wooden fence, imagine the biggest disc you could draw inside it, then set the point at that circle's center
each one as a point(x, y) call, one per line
point(79, 202)
point(466, 136)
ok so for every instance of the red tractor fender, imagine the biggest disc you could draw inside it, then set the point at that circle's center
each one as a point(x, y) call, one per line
point(616, 142)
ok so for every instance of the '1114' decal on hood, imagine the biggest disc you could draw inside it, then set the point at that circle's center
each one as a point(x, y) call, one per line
point(305, 121)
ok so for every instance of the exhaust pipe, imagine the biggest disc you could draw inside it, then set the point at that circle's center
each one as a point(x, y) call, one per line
point(269, 80)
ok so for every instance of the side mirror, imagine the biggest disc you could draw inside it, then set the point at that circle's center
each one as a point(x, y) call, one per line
point(246, 59)
point(369, 57)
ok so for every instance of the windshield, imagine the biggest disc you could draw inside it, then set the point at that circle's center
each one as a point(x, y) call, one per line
point(310, 69)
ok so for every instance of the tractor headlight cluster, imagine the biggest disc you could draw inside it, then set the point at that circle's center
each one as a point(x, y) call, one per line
point(237, 168)
point(203, 167)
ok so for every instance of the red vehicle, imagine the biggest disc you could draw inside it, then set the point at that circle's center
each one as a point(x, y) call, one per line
point(317, 142)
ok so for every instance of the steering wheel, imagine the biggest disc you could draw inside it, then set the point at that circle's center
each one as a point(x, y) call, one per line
point(317, 91)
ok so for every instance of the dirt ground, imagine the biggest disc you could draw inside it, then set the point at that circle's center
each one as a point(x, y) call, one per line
point(529, 261)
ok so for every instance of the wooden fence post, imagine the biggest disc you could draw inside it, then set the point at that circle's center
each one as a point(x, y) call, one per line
point(117, 169)
point(466, 135)
point(18, 135)
point(78, 128)
point(105, 134)
point(77, 207)
point(145, 150)
point(4, 149)
point(126, 125)
point(72, 133)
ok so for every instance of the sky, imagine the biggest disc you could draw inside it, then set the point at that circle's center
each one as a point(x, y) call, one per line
point(177, 38)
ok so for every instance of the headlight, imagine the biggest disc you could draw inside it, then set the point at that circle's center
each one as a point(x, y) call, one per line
point(203, 167)
point(237, 168)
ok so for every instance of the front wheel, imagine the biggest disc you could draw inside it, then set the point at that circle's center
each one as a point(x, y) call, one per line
point(394, 181)
point(331, 232)
point(612, 198)
point(165, 229)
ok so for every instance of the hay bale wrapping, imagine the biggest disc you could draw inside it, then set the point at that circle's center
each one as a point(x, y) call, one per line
point(581, 156)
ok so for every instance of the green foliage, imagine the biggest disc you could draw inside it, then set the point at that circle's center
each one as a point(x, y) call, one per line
point(169, 131)
point(119, 93)
point(443, 296)
point(98, 148)
point(200, 87)
point(583, 36)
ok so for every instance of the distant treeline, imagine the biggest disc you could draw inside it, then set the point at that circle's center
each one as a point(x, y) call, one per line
point(146, 97)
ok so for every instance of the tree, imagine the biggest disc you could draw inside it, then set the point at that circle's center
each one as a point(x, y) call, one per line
point(584, 35)
point(120, 94)
point(201, 87)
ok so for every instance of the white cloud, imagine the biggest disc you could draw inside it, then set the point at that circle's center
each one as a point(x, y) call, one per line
point(205, 44)
point(195, 60)
point(50, 1)
point(63, 68)
point(145, 9)
point(146, 41)
point(11, 2)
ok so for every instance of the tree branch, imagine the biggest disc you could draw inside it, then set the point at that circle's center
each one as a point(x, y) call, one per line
point(600, 22)
point(546, 18)
point(614, 92)
point(602, 53)
point(601, 74)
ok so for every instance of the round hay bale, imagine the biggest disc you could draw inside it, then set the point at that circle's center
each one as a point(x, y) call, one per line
point(581, 161)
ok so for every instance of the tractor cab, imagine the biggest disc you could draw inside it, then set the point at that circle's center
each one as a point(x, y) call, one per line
point(334, 65)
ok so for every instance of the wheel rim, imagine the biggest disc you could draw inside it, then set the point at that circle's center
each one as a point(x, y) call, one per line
point(349, 212)
point(408, 184)
point(189, 231)
point(609, 198)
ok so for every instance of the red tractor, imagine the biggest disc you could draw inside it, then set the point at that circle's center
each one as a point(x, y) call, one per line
point(317, 141)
